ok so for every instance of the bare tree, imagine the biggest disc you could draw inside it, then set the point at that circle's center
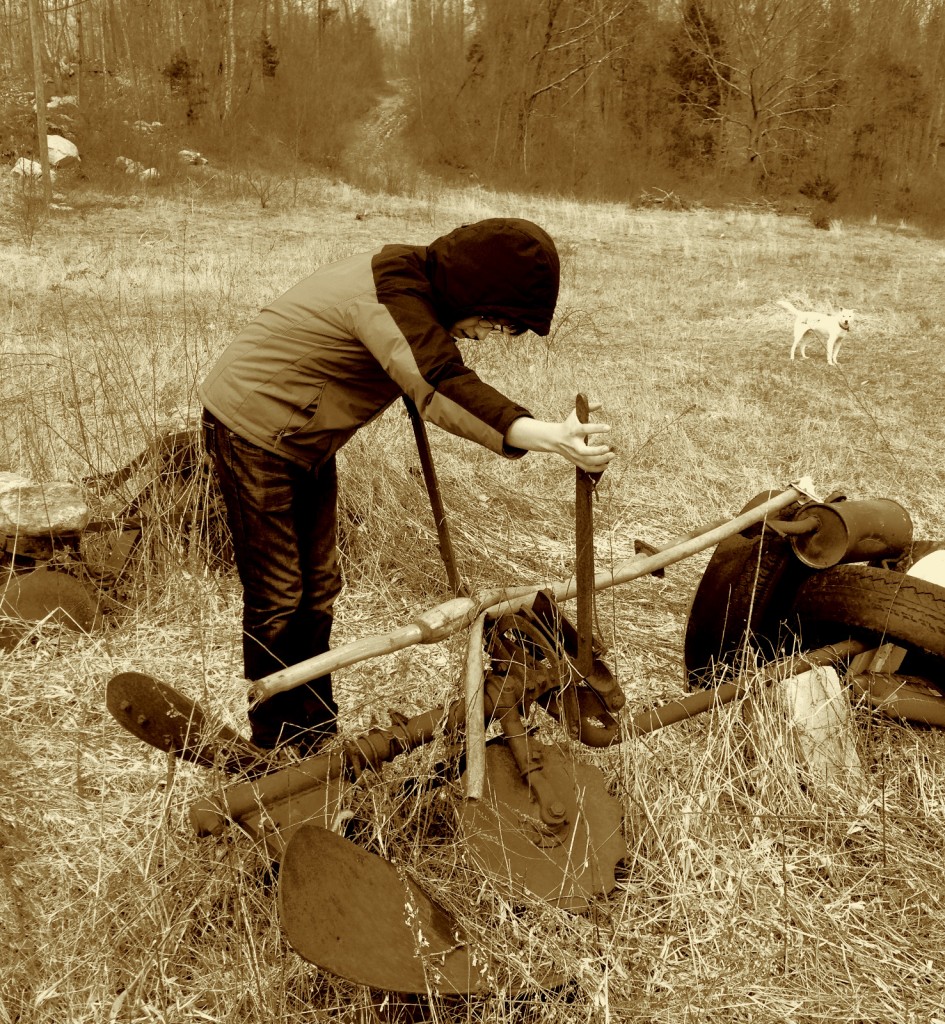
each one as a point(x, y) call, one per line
point(229, 57)
point(39, 90)
point(773, 69)
point(573, 45)
point(530, 60)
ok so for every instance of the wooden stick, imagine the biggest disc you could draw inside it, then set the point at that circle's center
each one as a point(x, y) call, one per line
point(666, 554)
point(436, 502)
point(460, 613)
point(475, 712)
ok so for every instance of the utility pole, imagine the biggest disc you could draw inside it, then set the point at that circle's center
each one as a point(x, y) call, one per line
point(39, 91)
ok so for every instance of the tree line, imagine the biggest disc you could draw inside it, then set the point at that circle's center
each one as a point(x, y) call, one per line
point(257, 82)
point(840, 100)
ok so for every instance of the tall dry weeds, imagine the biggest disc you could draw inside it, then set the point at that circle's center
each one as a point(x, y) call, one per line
point(747, 895)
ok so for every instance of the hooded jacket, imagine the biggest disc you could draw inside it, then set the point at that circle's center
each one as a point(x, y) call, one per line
point(334, 351)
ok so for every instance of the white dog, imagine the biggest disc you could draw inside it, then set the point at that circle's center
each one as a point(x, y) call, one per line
point(831, 325)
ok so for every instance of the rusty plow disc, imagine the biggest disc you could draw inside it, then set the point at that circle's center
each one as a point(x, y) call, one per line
point(168, 720)
point(508, 841)
point(360, 917)
point(47, 594)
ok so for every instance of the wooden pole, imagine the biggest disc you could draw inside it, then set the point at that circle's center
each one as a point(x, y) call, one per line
point(584, 554)
point(444, 540)
point(475, 712)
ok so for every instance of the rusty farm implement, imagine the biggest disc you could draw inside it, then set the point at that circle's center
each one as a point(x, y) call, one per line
point(797, 587)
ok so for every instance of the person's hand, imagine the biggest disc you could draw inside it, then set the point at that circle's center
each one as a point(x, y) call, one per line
point(582, 444)
point(585, 444)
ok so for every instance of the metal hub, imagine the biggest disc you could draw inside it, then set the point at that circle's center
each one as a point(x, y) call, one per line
point(508, 841)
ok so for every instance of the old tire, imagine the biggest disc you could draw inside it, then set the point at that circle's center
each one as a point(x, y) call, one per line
point(878, 606)
point(745, 596)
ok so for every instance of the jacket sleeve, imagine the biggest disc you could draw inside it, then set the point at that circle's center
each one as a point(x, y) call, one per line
point(421, 357)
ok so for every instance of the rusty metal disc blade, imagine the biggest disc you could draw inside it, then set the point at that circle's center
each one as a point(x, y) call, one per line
point(358, 916)
point(169, 720)
point(506, 839)
point(49, 594)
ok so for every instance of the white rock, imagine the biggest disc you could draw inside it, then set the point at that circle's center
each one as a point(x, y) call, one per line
point(149, 174)
point(61, 101)
point(191, 156)
point(26, 168)
point(11, 480)
point(62, 152)
point(931, 568)
point(36, 510)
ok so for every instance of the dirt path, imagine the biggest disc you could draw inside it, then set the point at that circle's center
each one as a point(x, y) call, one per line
point(377, 154)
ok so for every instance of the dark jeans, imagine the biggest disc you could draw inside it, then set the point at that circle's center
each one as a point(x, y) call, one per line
point(283, 521)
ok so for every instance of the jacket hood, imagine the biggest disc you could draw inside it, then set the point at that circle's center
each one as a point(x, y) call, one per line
point(503, 266)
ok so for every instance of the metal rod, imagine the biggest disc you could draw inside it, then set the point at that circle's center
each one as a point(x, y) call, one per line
point(209, 815)
point(696, 703)
point(444, 540)
point(370, 750)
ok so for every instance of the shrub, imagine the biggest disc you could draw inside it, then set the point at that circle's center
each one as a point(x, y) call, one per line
point(820, 189)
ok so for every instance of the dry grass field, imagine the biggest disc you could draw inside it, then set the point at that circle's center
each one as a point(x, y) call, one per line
point(748, 896)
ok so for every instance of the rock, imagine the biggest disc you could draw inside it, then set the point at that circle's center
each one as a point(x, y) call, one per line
point(128, 165)
point(191, 156)
point(62, 152)
point(39, 509)
point(33, 169)
point(56, 102)
point(822, 721)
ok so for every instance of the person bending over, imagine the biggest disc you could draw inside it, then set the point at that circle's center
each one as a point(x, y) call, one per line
point(321, 361)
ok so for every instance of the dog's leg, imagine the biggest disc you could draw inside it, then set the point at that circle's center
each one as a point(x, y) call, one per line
point(837, 341)
point(799, 332)
point(831, 342)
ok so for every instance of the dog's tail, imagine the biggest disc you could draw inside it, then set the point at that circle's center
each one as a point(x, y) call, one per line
point(784, 304)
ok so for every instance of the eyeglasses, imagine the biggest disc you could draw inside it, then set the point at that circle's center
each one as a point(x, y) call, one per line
point(509, 330)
